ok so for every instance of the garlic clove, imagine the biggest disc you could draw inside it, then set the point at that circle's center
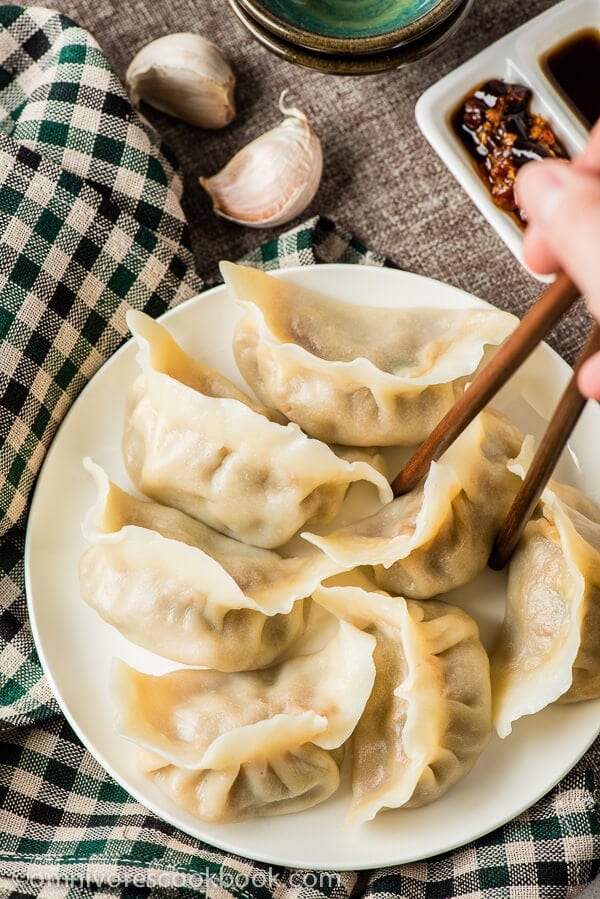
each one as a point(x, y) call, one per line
point(272, 179)
point(186, 76)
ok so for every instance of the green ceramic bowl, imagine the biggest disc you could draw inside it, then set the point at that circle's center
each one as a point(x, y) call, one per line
point(349, 27)
point(361, 64)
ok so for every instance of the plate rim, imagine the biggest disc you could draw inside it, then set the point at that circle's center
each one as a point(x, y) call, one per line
point(357, 64)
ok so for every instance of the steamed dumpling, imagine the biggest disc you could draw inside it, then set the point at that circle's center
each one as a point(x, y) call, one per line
point(428, 717)
point(359, 375)
point(171, 584)
point(198, 718)
point(277, 784)
point(239, 725)
point(549, 645)
point(440, 535)
point(194, 442)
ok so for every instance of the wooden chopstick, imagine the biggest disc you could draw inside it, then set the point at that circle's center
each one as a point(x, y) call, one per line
point(535, 325)
point(559, 430)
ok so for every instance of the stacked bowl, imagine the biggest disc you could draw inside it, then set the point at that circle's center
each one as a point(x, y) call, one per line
point(351, 37)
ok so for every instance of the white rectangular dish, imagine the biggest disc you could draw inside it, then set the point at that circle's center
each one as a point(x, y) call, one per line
point(514, 58)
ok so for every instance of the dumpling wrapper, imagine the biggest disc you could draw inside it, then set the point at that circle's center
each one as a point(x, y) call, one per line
point(199, 719)
point(428, 718)
point(440, 535)
point(291, 781)
point(194, 442)
point(174, 586)
point(549, 646)
point(357, 375)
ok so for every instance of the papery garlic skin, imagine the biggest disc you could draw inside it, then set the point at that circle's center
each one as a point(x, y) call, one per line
point(272, 179)
point(186, 76)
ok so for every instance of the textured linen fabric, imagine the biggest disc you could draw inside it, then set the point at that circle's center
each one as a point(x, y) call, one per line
point(381, 180)
point(89, 227)
point(90, 223)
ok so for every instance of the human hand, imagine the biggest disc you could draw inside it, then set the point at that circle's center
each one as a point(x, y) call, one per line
point(562, 204)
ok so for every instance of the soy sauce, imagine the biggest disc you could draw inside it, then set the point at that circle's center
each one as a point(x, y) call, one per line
point(573, 67)
point(501, 133)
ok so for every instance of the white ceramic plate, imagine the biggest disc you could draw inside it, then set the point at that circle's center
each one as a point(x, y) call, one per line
point(514, 58)
point(76, 646)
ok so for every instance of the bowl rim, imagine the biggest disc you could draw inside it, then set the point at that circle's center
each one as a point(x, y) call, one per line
point(322, 43)
point(362, 64)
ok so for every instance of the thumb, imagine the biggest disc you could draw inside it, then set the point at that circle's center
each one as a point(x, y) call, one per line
point(563, 205)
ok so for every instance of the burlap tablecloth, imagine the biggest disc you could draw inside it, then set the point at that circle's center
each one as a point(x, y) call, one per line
point(381, 179)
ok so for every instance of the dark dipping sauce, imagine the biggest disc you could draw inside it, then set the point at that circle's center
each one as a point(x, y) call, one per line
point(573, 67)
point(501, 133)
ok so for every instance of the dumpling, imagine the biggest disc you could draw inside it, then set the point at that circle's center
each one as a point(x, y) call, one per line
point(171, 584)
point(194, 442)
point(198, 718)
point(440, 535)
point(428, 717)
point(358, 375)
point(200, 721)
point(549, 646)
point(277, 784)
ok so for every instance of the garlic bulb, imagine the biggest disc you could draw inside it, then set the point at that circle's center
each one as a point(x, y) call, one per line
point(272, 179)
point(185, 76)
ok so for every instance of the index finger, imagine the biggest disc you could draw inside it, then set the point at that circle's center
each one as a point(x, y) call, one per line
point(536, 251)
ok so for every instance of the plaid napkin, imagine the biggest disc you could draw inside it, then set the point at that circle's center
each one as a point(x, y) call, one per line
point(90, 224)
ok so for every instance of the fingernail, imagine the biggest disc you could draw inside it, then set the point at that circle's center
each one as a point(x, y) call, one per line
point(539, 188)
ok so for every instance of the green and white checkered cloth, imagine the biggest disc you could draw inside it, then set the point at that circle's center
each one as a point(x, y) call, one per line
point(90, 224)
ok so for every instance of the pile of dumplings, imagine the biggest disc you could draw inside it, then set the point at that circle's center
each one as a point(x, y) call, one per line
point(296, 656)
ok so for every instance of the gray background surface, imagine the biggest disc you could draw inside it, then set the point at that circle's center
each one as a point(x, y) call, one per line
point(381, 180)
